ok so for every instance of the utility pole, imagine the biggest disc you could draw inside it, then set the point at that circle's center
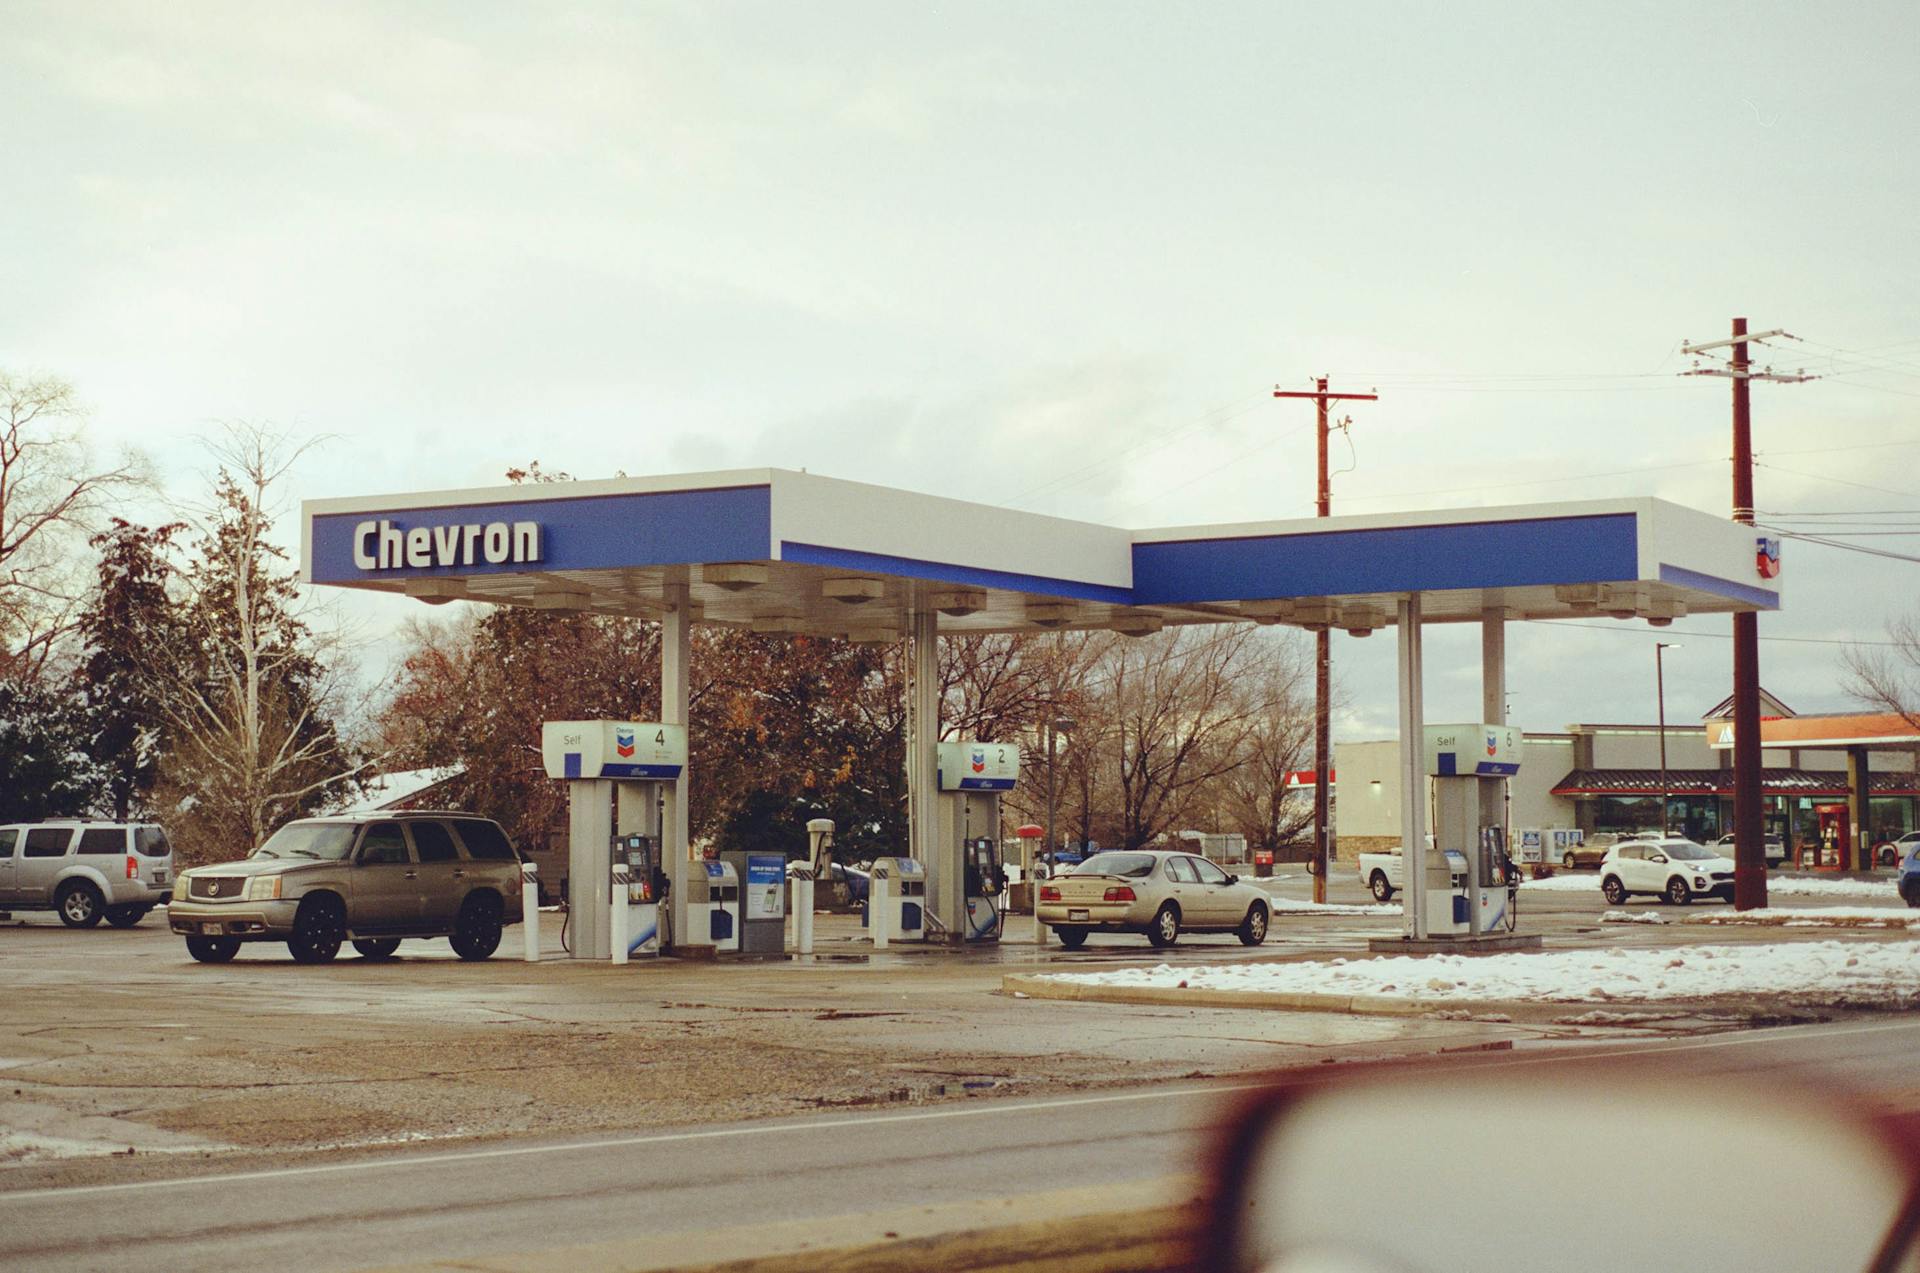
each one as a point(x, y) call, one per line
point(1749, 832)
point(1323, 641)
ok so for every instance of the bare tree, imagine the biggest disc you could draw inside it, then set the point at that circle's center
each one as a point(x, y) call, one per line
point(1888, 678)
point(249, 700)
point(1256, 797)
point(51, 495)
point(1178, 710)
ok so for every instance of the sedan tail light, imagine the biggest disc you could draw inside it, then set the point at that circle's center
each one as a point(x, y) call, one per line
point(1048, 893)
point(1120, 893)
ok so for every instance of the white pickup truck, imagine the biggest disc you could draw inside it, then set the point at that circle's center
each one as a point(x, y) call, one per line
point(1381, 873)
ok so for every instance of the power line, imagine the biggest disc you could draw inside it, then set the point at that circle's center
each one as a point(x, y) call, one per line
point(1841, 544)
point(1712, 636)
point(1218, 415)
point(1541, 481)
point(1839, 481)
point(1858, 446)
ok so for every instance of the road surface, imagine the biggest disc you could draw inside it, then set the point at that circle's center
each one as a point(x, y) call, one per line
point(530, 1195)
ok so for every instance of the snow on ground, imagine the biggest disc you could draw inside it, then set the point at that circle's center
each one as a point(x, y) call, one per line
point(1883, 972)
point(1632, 917)
point(1777, 886)
point(1562, 884)
point(1795, 886)
point(1812, 917)
point(1293, 905)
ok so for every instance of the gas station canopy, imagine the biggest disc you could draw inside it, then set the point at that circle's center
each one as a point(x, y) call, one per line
point(780, 551)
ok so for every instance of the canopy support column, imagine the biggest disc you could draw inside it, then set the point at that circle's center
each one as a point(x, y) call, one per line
point(676, 658)
point(1413, 776)
point(1493, 707)
point(946, 886)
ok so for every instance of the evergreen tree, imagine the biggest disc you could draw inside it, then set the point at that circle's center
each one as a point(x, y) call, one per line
point(45, 771)
point(129, 616)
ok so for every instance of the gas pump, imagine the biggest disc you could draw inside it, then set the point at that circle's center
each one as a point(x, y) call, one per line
point(973, 775)
point(1469, 884)
point(640, 854)
point(616, 774)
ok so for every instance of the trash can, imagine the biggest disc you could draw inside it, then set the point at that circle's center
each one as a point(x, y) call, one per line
point(1262, 863)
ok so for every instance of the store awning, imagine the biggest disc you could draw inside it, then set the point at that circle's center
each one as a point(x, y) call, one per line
point(1719, 782)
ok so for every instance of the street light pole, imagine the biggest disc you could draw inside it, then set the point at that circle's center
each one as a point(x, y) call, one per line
point(1056, 725)
point(1660, 692)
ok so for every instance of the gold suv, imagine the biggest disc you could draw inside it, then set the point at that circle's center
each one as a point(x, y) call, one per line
point(372, 879)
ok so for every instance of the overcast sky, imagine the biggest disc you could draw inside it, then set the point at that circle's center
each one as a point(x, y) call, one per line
point(1053, 256)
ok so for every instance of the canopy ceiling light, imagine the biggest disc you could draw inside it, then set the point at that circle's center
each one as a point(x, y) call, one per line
point(1362, 621)
point(1268, 611)
point(735, 576)
point(1314, 616)
point(1578, 596)
point(776, 623)
point(1050, 614)
point(873, 636)
point(437, 592)
point(1661, 614)
point(1137, 625)
point(561, 600)
point(854, 591)
point(958, 603)
point(1622, 603)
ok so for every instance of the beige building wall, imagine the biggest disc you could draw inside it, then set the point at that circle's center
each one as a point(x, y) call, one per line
point(1368, 811)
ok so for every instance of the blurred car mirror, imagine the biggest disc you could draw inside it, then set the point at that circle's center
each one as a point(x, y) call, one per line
point(1444, 1174)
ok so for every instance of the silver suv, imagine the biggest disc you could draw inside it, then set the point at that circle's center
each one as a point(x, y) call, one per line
point(85, 871)
point(371, 878)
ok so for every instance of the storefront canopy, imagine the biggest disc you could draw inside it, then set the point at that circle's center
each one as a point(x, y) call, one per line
point(780, 551)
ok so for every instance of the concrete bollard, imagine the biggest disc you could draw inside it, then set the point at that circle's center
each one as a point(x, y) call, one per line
point(877, 916)
point(803, 913)
point(530, 910)
point(622, 875)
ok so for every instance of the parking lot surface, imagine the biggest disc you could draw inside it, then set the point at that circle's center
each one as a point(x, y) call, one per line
point(116, 1041)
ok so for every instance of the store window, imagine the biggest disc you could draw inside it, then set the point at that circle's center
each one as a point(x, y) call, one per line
point(1626, 813)
point(1890, 816)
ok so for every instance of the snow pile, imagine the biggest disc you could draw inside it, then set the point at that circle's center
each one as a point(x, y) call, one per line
point(1632, 917)
point(1815, 917)
point(1879, 972)
point(1568, 883)
point(1295, 906)
point(1795, 887)
point(1777, 886)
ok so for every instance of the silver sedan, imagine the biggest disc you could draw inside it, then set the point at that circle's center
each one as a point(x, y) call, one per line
point(1155, 892)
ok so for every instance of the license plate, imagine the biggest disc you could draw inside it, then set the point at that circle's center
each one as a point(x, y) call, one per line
point(212, 930)
point(159, 877)
point(1076, 915)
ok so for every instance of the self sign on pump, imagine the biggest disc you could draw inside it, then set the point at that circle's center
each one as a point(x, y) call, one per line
point(613, 749)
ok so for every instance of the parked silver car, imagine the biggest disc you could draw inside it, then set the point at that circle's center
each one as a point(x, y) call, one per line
point(1154, 892)
point(85, 871)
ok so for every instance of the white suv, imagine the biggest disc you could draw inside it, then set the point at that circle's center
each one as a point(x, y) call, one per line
point(86, 871)
point(1675, 870)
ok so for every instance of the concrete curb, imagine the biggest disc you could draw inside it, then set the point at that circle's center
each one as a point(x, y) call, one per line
point(1358, 1005)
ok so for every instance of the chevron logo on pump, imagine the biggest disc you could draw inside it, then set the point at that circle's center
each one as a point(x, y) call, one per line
point(979, 761)
point(623, 742)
